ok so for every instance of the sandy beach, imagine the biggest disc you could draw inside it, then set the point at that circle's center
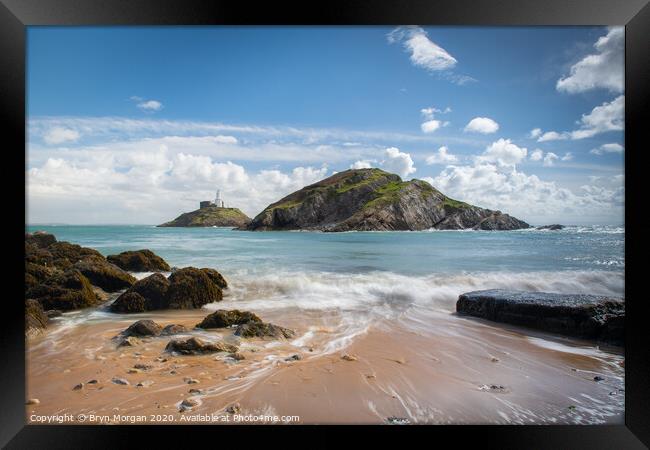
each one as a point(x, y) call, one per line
point(438, 369)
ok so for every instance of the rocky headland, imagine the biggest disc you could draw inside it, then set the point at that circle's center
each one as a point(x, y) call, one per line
point(375, 200)
point(210, 216)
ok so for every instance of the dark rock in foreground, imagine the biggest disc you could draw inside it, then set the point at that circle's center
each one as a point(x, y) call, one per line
point(105, 275)
point(65, 276)
point(190, 287)
point(215, 276)
point(187, 288)
point(195, 346)
point(143, 328)
point(67, 291)
point(222, 318)
point(553, 227)
point(139, 261)
point(375, 200)
point(260, 329)
point(173, 329)
point(585, 316)
point(145, 295)
point(41, 239)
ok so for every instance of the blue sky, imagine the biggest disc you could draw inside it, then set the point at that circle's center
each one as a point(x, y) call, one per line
point(152, 120)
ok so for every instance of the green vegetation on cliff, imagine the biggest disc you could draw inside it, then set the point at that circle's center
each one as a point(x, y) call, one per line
point(372, 199)
point(212, 216)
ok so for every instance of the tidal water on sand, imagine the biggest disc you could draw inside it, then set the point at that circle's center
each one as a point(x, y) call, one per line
point(389, 299)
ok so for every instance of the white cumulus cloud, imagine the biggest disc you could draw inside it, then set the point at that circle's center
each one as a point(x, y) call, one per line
point(602, 69)
point(553, 136)
point(536, 155)
point(550, 159)
point(483, 125)
point(60, 135)
point(147, 105)
point(530, 198)
point(398, 162)
point(441, 157)
point(430, 124)
point(609, 116)
point(150, 105)
point(364, 164)
point(504, 153)
point(608, 148)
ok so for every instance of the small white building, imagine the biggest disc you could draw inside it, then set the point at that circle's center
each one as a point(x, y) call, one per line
point(218, 202)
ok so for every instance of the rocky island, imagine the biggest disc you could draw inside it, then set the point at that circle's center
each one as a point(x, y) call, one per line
point(210, 216)
point(375, 200)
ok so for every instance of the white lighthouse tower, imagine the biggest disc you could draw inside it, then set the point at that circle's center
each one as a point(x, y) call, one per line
point(218, 201)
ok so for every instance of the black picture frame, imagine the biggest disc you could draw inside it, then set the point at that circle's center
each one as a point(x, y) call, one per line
point(16, 15)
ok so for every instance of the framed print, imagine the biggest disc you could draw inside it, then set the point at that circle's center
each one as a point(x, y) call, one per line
point(361, 216)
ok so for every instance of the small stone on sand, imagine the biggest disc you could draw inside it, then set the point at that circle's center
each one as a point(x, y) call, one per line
point(347, 357)
point(78, 387)
point(233, 409)
point(121, 381)
point(33, 401)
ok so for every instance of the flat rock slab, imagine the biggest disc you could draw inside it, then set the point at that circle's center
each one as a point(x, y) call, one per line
point(593, 317)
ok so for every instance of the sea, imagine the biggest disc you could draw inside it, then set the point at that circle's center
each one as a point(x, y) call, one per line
point(338, 287)
point(365, 270)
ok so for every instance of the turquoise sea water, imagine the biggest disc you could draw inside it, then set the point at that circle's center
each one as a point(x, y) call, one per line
point(406, 253)
point(320, 270)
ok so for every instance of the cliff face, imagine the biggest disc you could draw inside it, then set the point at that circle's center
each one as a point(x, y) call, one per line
point(210, 216)
point(374, 200)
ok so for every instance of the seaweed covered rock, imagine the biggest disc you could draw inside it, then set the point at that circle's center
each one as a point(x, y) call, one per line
point(36, 274)
point(187, 288)
point(67, 291)
point(35, 318)
point(145, 295)
point(143, 328)
point(129, 302)
point(216, 277)
point(173, 329)
point(585, 316)
point(65, 254)
point(139, 261)
point(222, 318)
point(41, 239)
point(37, 255)
point(105, 275)
point(261, 329)
point(196, 346)
point(190, 287)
